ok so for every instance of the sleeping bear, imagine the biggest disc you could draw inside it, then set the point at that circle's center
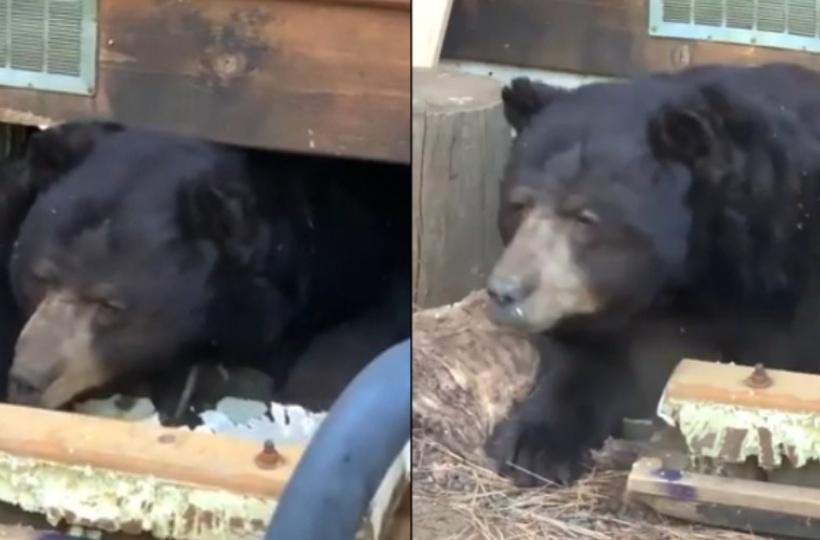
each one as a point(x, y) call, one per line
point(22, 177)
point(150, 250)
point(646, 221)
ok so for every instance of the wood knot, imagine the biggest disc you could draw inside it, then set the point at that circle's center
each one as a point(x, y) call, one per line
point(224, 66)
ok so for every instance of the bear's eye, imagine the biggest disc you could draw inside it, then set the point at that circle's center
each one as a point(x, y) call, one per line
point(520, 200)
point(44, 274)
point(109, 311)
point(587, 217)
point(519, 207)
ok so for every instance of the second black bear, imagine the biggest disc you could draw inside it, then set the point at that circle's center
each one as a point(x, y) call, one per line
point(646, 221)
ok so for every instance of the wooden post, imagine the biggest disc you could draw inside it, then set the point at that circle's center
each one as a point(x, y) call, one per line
point(460, 146)
point(430, 18)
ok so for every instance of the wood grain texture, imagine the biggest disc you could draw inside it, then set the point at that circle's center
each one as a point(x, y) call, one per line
point(468, 374)
point(712, 382)
point(179, 455)
point(597, 37)
point(310, 76)
point(460, 146)
point(762, 507)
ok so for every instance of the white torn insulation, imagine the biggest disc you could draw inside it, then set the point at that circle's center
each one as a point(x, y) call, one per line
point(242, 418)
point(283, 424)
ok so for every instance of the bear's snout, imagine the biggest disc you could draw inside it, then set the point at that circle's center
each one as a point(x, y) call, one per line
point(26, 387)
point(508, 290)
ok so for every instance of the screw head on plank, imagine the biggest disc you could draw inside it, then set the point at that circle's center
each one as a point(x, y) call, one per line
point(759, 378)
point(269, 457)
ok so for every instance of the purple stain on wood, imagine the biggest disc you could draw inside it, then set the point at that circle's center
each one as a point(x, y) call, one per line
point(674, 489)
point(672, 475)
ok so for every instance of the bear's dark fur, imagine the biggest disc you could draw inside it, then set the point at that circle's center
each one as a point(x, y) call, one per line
point(646, 221)
point(21, 179)
point(153, 250)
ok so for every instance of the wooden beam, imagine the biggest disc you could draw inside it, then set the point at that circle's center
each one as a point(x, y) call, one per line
point(713, 382)
point(404, 5)
point(309, 76)
point(749, 505)
point(430, 20)
point(177, 455)
point(595, 37)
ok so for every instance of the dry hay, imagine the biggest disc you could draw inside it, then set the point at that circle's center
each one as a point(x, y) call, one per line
point(467, 374)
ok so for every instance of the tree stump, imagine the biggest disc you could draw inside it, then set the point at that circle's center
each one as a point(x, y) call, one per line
point(460, 145)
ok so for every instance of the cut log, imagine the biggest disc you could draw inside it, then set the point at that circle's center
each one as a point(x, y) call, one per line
point(460, 145)
point(467, 374)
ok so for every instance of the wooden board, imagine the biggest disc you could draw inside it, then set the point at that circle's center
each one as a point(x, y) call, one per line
point(430, 18)
point(331, 77)
point(712, 382)
point(174, 454)
point(597, 37)
point(749, 505)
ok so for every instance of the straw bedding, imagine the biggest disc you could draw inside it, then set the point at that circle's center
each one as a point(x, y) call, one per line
point(467, 375)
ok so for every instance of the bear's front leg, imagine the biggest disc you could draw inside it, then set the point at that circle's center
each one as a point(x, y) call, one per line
point(578, 401)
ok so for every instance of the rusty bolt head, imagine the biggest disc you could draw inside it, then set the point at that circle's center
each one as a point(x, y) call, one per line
point(759, 378)
point(269, 457)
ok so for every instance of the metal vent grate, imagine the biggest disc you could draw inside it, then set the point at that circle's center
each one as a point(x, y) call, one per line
point(782, 24)
point(49, 45)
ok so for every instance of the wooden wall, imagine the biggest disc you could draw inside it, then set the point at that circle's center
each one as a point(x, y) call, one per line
point(596, 37)
point(330, 77)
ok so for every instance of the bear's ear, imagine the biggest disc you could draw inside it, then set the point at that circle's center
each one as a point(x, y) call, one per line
point(222, 212)
point(701, 126)
point(680, 133)
point(56, 150)
point(523, 98)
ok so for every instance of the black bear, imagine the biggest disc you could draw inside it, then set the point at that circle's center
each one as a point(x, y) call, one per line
point(154, 250)
point(644, 221)
point(21, 179)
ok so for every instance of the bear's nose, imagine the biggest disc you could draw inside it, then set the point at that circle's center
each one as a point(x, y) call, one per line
point(509, 290)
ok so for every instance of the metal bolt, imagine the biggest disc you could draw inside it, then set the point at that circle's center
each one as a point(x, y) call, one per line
point(759, 378)
point(269, 457)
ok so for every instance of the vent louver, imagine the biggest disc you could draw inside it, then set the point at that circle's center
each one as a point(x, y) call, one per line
point(49, 45)
point(781, 24)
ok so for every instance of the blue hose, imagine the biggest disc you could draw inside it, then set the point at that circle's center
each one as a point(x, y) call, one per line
point(350, 453)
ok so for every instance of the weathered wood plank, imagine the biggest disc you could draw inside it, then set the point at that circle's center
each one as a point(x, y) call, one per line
point(430, 18)
point(748, 505)
point(313, 76)
point(184, 456)
point(600, 37)
point(718, 383)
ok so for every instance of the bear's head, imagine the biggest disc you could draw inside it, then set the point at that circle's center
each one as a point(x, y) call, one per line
point(115, 265)
point(618, 192)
